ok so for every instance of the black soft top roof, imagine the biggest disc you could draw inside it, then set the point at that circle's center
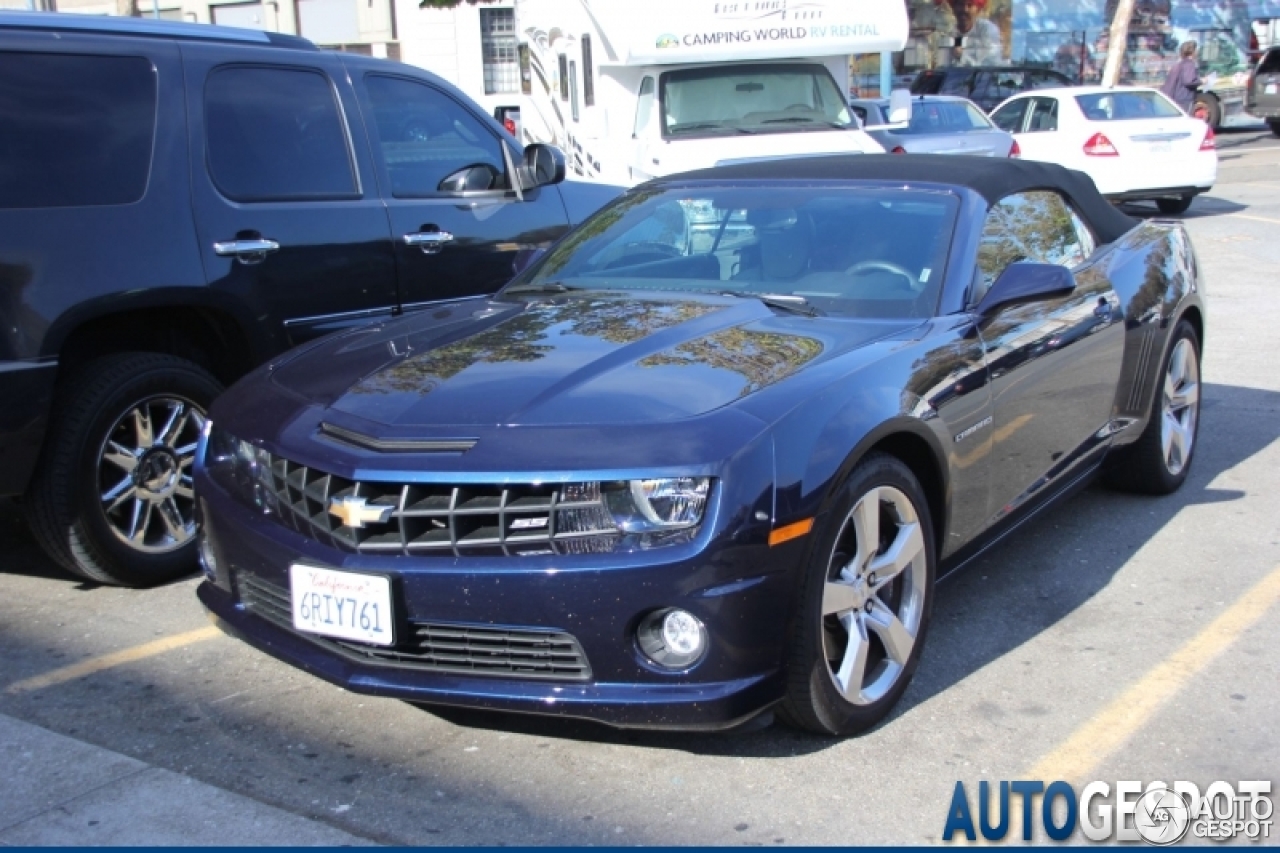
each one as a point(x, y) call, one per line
point(991, 177)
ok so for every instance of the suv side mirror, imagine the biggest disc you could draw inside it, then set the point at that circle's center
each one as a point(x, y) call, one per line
point(543, 166)
point(1026, 282)
point(470, 179)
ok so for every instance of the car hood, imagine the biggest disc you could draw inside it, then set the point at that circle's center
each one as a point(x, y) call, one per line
point(572, 360)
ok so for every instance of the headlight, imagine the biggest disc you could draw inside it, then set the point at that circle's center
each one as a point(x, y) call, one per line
point(646, 506)
point(239, 467)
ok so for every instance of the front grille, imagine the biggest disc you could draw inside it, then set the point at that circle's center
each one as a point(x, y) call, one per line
point(444, 520)
point(533, 653)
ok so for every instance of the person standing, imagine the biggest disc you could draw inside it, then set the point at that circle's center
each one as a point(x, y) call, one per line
point(1184, 78)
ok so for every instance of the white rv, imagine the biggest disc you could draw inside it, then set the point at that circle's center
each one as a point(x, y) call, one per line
point(631, 90)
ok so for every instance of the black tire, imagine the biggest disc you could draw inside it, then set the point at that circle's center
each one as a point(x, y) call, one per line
point(64, 504)
point(813, 700)
point(1274, 124)
point(1174, 206)
point(1143, 466)
point(1208, 108)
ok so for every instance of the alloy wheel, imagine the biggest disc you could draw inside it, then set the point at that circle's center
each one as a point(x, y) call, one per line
point(1181, 406)
point(873, 600)
point(144, 474)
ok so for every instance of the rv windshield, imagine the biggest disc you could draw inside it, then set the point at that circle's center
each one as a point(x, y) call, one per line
point(765, 98)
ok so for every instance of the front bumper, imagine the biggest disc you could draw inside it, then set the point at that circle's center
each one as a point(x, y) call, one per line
point(742, 593)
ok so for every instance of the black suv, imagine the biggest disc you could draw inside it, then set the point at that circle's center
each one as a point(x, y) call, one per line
point(179, 203)
point(1262, 98)
point(986, 86)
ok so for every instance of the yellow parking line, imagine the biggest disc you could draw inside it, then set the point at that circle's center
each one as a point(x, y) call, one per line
point(1100, 737)
point(98, 664)
point(1254, 218)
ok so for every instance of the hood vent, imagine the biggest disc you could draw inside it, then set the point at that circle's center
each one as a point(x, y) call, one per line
point(396, 445)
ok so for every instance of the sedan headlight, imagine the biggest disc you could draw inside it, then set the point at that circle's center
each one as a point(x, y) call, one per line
point(239, 467)
point(647, 506)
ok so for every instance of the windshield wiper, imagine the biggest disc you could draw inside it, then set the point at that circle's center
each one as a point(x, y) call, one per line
point(539, 287)
point(706, 125)
point(783, 301)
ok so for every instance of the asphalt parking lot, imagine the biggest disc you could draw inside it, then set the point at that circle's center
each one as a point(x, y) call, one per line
point(1115, 638)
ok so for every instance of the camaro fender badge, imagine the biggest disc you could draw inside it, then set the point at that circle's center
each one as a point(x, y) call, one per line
point(356, 512)
point(963, 434)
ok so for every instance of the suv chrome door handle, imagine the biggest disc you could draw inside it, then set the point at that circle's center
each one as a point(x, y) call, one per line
point(429, 242)
point(246, 251)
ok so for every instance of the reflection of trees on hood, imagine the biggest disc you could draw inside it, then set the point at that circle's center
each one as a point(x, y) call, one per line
point(761, 358)
point(525, 338)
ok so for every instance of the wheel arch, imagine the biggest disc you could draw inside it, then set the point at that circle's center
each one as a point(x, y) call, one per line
point(209, 334)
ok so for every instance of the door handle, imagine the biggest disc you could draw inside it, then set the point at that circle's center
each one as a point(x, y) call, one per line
point(430, 242)
point(246, 251)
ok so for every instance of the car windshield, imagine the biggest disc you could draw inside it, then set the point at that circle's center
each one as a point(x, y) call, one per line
point(1125, 106)
point(944, 117)
point(735, 99)
point(848, 251)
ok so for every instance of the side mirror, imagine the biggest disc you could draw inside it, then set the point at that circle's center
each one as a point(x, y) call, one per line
point(543, 166)
point(1026, 282)
point(470, 179)
point(899, 106)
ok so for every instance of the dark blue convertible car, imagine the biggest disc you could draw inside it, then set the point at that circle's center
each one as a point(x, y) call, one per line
point(710, 454)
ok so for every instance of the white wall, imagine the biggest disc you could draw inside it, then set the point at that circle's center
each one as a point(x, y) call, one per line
point(445, 42)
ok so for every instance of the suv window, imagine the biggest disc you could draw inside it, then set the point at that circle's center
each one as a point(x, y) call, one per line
point(1035, 226)
point(276, 134)
point(426, 136)
point(75, 130)
point(1270, 63)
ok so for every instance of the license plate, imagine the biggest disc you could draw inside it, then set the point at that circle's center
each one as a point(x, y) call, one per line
point(345, 605)
point(1161, 147)
point(1270, 89)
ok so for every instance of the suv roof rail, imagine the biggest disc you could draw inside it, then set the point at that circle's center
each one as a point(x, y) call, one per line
point(111, 25)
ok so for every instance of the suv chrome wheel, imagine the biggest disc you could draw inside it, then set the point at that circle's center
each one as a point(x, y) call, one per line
point(144, 474)
point(1181, 406)
point(873, 601)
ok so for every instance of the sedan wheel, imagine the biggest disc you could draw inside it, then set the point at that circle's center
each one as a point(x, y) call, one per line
point(870, 604)
point(1180, 407)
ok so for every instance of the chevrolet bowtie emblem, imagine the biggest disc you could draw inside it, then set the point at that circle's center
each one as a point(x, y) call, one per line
point(356, 512)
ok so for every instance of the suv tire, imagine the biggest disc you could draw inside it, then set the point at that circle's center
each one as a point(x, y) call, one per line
point(111, 499)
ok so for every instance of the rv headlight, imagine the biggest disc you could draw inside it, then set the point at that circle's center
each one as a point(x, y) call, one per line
point(644, 506)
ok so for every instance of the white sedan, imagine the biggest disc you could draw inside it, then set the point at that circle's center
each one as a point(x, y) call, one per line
point(1135, 143)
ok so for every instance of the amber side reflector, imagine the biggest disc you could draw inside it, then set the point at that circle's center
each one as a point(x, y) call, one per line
point(791, 531)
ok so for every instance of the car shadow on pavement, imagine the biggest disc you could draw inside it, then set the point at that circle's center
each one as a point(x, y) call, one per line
point(1203, 206)
point(1021, 587)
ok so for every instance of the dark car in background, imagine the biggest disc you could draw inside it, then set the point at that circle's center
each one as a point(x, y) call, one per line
point(666, 482)
point(180, 202)
point(986, 86)
point(940, 124)
point(1262, 98)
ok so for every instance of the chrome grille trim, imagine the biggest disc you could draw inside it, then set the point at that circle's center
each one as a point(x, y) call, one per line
point(456, 648)
point(512, 519)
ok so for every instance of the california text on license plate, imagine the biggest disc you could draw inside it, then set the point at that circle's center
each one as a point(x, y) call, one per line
point(346, 605)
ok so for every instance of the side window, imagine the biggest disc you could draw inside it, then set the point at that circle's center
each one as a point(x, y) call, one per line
point(1044, 115)
point(425, 136)
point(275, 134)
point(1270, 63)
point(1038, 227)
point(75, 130)
point(573, 89)
point(956, 83)
point(644, 108)
point(563, 66)
point(1009, 117)
point(588, 74)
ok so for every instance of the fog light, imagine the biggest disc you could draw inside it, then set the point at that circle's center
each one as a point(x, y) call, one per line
point(671, 638)
point(208, 559)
